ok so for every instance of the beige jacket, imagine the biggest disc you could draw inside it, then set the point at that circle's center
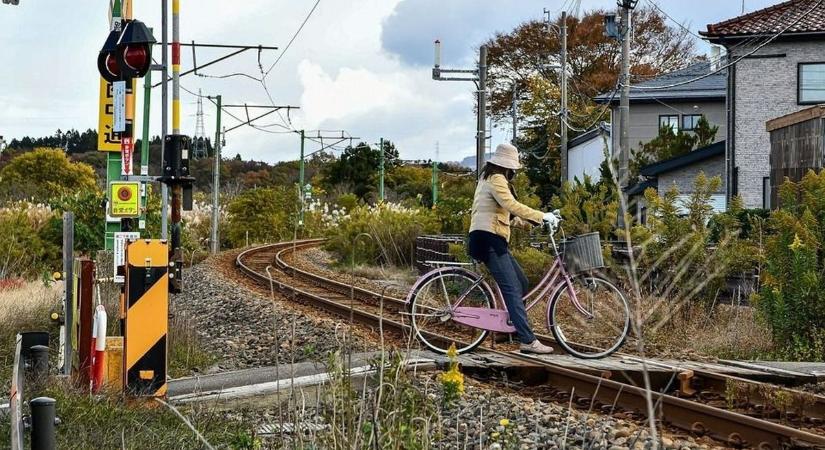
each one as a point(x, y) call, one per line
point(494, 204)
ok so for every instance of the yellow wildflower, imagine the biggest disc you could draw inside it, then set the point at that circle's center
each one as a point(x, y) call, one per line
point(796, 243)
point(452, 353)
point(495, 435)
point(504, 422)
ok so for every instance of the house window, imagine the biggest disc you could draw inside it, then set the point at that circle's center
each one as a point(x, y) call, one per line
point(670, 121)
point(766, 192)
point(811, 83)
point(690, 121)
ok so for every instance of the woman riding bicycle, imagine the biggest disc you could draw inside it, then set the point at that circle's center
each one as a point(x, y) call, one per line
point(494, 204)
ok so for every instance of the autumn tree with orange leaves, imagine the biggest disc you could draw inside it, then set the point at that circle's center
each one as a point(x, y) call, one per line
point(523, 59)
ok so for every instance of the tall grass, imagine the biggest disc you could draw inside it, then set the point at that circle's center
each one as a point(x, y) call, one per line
point(24, 307)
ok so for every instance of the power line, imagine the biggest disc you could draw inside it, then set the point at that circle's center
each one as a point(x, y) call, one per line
point(682, 26)
point(298, 31)
point(732, 63)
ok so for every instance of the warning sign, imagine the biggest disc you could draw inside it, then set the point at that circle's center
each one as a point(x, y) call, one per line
point(124, 199)
point(121, 238)
point(108, 140)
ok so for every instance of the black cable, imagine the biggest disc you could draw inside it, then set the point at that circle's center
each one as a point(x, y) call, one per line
point(306, 19)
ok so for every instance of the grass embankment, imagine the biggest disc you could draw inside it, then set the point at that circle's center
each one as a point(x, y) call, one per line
point(108, 421)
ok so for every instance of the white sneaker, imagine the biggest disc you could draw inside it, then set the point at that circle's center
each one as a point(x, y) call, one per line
point(536, 347)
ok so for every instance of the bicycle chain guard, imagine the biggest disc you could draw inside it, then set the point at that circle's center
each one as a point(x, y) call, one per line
point(484, 318)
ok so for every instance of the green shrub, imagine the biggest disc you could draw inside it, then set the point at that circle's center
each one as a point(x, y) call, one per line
point(587, 207)
point(43, 174)
point(677, 245)
point(391, 230)
point(347, 201)
point(792, 298)
point(454, 214)
point(534, 262)
point(25, 249)
point(89, 220)
point(267, 214)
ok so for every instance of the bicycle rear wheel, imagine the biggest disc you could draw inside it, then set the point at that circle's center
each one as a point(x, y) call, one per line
point(603, 326)
point(432, 304)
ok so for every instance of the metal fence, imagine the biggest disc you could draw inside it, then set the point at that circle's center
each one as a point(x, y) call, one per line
point(432, 251)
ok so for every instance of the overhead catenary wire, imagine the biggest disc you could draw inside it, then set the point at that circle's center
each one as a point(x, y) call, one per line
point(294, 36)
point(736, 61)
point(681, 25)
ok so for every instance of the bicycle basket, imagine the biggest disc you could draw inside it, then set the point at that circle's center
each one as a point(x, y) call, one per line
point(582, 253)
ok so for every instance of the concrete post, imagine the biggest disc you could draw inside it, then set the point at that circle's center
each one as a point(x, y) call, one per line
point(68, 281)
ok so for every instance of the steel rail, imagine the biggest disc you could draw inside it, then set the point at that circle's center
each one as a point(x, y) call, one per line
point(690, 379)
point(704, 420)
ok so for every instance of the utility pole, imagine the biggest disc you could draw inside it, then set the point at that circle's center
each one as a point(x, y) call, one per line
point(381, 171)
point(216, 181)
point(624, 102)
point(176, 253)
point(563, 113)
point(144, 142)
point(164, 113)
point(144, 145)
point(435, 182)
point(514, 113)
point(481, 134)
point(301, 178)
point(479, 76)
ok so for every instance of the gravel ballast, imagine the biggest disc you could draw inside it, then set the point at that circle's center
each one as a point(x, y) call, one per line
point(241, 327)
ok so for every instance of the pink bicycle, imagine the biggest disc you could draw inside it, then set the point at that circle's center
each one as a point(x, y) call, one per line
point(587, 314)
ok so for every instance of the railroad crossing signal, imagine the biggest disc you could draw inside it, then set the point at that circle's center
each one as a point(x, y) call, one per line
point(127, 52)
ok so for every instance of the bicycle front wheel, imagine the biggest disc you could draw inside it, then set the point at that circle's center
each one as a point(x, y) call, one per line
point(600, 323)
point(432, 307)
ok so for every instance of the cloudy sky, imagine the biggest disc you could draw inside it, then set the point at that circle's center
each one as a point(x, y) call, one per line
point(358, 65)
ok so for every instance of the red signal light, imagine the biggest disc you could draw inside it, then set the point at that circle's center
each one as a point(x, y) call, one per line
point(112, 65)
point(135, 56)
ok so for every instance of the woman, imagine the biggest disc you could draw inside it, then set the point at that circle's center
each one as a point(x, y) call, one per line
point(493, 205)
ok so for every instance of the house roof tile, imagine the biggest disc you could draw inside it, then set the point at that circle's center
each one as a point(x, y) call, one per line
point(711, 87)
point(692, 157)
point(772, 20)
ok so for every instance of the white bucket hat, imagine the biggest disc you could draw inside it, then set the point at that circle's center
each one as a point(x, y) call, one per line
point(506, 156)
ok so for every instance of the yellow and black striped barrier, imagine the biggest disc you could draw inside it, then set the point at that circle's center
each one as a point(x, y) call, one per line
point(145, 307)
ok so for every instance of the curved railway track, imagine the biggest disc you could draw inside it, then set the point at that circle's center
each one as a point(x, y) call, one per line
point(267, 266)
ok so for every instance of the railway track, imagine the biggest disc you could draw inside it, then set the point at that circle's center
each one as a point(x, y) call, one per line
point(743, 421)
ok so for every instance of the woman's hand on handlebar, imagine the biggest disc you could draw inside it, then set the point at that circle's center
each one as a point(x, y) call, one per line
point(552, 219)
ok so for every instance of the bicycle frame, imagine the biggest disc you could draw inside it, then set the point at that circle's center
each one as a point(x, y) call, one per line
point(555, 279)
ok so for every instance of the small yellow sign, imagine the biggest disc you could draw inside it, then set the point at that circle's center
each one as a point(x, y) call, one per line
point(124, 199)
point(108, 140)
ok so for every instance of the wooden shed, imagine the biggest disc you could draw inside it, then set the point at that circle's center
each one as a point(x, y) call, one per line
point(797, 142)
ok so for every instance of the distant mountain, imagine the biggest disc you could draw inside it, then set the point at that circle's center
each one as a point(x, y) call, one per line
point(468, 162)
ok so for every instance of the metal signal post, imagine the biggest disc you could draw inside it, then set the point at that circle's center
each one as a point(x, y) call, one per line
point(480, 79)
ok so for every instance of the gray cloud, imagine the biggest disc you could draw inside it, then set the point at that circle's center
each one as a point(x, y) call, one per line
point(461, 25)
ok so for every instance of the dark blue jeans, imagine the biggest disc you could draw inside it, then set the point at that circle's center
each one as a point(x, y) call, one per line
point(513, 285)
